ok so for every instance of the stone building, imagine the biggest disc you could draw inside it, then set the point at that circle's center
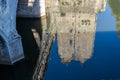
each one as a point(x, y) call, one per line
point(76, 25)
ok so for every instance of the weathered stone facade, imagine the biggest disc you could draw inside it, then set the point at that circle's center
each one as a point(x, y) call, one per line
point(76, 25)
point(76, 37)
point(85, 6)
point(31, 8)
point(10, 42)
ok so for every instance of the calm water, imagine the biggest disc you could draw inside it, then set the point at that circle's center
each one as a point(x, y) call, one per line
point(105, 62)
point(103, 65)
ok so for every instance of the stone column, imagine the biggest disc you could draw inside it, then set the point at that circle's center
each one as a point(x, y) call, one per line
point(10, 42)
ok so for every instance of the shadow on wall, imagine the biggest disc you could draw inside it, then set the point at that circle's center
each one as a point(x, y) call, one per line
point(24, 69)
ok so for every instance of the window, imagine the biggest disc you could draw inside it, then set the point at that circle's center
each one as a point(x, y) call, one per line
point(70, 42)
point(70, 30)
point(62, 14)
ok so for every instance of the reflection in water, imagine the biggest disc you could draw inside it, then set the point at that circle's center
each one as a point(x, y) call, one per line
point(75, 23)
point(104, 65)
point(115, 6)
point(24, 69)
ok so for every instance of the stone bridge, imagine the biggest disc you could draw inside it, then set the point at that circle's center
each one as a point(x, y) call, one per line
point(10, 41)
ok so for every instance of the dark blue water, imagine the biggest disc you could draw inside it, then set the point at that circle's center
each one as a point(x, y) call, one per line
point(105, 62)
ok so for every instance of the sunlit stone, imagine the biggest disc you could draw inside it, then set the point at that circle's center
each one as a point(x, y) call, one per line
point(76, 26)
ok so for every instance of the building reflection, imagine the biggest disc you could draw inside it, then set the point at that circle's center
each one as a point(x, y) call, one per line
point(75, 23)
point(115, 4)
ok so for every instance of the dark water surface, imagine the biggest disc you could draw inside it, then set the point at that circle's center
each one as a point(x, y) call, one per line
point(24, 69)
point(105, 62)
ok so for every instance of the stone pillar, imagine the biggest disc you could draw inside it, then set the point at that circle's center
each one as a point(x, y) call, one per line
point(10, 42)
point(31, 8)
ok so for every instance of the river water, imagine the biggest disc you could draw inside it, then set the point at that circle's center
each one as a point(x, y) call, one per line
point(105, 61)
point(101, 49)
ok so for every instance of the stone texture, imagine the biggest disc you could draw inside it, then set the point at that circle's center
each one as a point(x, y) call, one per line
point(75, 22)
point(86, 6)
point(10, 42)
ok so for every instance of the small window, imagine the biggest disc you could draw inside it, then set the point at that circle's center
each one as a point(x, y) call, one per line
point(70, 42)
point(62, 14)
point(70, 30)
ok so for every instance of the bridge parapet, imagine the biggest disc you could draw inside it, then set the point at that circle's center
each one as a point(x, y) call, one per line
point(10, 42)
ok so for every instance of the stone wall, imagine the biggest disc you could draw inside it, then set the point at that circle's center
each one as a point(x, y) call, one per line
point(76, 26)
point(76, 38)
point(10, 42)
